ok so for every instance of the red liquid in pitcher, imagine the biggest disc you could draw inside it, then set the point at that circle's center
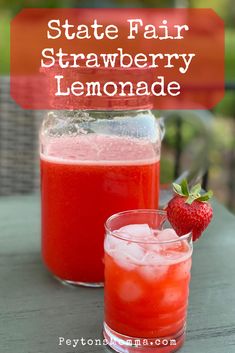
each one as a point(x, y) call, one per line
point(84, 180)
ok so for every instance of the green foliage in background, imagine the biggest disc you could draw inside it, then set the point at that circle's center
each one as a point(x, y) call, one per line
point(15, 5)
point(224, 8)
point(5, 42)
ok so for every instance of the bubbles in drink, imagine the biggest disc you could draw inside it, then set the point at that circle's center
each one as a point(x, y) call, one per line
point(98, 148)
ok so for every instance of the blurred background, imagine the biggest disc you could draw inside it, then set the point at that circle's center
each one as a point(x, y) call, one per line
point(199, 142)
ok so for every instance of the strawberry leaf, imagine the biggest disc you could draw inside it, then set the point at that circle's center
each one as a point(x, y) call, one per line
point(196, 189)
point(177, 189)
point(206, 196)
point(184, 187)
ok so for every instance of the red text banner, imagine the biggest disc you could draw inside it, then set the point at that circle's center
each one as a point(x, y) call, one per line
point(117, 58)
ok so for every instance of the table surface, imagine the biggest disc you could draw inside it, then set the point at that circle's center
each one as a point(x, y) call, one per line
point(35, 309)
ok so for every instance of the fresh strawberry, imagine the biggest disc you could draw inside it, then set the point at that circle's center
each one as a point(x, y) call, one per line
point(189, 210)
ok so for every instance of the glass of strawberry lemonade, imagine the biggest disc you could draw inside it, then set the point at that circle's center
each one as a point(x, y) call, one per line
point(147, 275)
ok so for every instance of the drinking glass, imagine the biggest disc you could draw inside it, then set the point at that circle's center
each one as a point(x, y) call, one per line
point(147, 275)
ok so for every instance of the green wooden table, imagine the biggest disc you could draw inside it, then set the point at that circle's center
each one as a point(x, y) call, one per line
point(35, 309)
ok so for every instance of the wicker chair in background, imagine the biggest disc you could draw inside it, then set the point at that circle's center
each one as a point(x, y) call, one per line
point(18, 145)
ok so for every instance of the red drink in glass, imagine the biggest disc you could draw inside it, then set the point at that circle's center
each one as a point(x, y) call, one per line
point(147, 275)
point(84, 180)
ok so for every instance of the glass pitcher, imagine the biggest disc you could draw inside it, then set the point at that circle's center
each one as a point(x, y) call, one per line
point(93, 164)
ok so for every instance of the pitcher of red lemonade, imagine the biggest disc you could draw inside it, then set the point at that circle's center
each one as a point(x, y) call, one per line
point(93, 164)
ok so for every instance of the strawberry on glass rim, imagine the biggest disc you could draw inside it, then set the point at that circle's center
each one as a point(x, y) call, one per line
point(189, 210)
